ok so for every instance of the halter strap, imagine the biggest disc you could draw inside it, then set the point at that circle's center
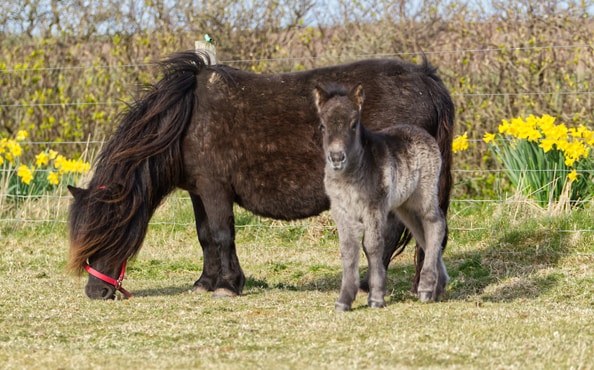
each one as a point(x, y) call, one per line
point(116, 283)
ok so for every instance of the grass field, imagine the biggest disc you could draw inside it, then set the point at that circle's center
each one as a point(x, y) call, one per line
point(521, 296)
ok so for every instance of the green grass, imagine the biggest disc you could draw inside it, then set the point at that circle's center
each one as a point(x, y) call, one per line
point(521, 296)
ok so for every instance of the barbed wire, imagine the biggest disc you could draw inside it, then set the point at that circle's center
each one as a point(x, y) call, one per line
point(527, 93)
point(323, 57)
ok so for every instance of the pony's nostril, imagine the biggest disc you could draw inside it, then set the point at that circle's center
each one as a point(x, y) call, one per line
point(107, 293)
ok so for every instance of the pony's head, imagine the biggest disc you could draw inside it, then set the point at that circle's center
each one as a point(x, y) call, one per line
point(137, 167)
point(339, 110)
point(101, 236)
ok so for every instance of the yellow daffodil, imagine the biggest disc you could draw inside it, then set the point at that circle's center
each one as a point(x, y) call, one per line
point(460, 143)
point(25, 173)
point(572, 176)
point(488, 137)
point(14, 148)
point(41, 159)
point(22, 135)
point(53, 178)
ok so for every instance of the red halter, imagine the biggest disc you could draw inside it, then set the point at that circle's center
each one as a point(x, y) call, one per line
point(116, 283)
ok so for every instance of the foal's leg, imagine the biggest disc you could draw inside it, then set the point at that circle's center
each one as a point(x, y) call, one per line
point(392, 240)
point(348, 236)
point(428, 231)
point(433, 277)
point(374, 251)
point(443, 278)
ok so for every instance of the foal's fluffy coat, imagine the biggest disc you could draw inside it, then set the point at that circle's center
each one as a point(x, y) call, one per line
point(367, 176)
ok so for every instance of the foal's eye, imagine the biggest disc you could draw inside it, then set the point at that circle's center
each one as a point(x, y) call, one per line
point(322, 126)
point(354, 125)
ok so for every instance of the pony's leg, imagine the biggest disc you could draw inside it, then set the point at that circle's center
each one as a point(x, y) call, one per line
point(419, 260)
point(348, 236)
point(218, 228)
point(374, 251)
point(212, 260)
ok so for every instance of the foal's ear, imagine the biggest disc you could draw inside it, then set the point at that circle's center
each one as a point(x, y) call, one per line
point(320, 97)
point(76, 192)
point(357, 95)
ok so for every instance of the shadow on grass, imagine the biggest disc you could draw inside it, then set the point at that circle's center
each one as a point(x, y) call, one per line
point(163, 291)
point(507, 269)
point(504, 271)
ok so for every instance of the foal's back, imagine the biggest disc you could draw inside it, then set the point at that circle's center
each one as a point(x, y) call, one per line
point(414, 158)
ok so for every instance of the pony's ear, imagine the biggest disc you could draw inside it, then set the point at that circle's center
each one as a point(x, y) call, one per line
point(357, 95)
point(320, 97)
point(76, 192)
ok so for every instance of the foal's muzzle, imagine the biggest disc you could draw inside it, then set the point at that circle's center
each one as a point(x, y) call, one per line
point(337, 160)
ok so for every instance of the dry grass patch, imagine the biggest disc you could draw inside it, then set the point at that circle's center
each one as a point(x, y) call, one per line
point(508, 306)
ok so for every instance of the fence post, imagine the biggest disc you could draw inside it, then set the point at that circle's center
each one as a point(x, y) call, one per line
point(207, 48)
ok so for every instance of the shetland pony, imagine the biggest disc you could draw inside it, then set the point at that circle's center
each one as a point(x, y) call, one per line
point(228, 136)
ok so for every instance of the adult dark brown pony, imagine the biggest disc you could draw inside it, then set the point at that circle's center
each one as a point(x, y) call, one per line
point(228, 136)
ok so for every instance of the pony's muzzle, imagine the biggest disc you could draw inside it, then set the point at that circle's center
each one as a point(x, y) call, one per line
point(337, 159)
point(97, 289)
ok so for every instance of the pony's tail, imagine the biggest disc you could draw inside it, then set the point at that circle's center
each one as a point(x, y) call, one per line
point(444, 117)
point(445, 112)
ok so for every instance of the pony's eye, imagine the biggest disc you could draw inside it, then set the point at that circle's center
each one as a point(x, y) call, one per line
point(322, 126)
point(354, 125)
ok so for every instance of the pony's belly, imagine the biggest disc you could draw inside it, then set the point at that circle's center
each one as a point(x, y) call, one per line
point(285, 205)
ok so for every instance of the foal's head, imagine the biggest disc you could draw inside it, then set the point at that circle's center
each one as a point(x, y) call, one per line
point(340, 119)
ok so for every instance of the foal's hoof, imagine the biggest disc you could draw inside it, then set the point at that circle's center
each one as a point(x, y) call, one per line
point(223, 293)
point(341, 307)
point(376, 304)
point(425, 297)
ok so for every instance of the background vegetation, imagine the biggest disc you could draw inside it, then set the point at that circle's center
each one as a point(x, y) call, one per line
point(67, 67)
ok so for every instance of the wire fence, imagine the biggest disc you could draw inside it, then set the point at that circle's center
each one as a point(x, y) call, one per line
point(52, 208)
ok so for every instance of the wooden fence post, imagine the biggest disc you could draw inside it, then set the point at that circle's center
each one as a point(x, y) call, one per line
point(209, 48)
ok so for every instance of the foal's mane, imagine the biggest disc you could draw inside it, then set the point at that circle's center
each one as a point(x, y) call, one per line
point(137, 167)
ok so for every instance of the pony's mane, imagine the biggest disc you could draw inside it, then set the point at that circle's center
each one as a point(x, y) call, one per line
point(137, 167)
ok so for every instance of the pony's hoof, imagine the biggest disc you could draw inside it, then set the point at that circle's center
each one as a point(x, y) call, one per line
point(374, 304)
point(223, 293)
point(341, 307)
point(425, 297)
point(198, 289)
